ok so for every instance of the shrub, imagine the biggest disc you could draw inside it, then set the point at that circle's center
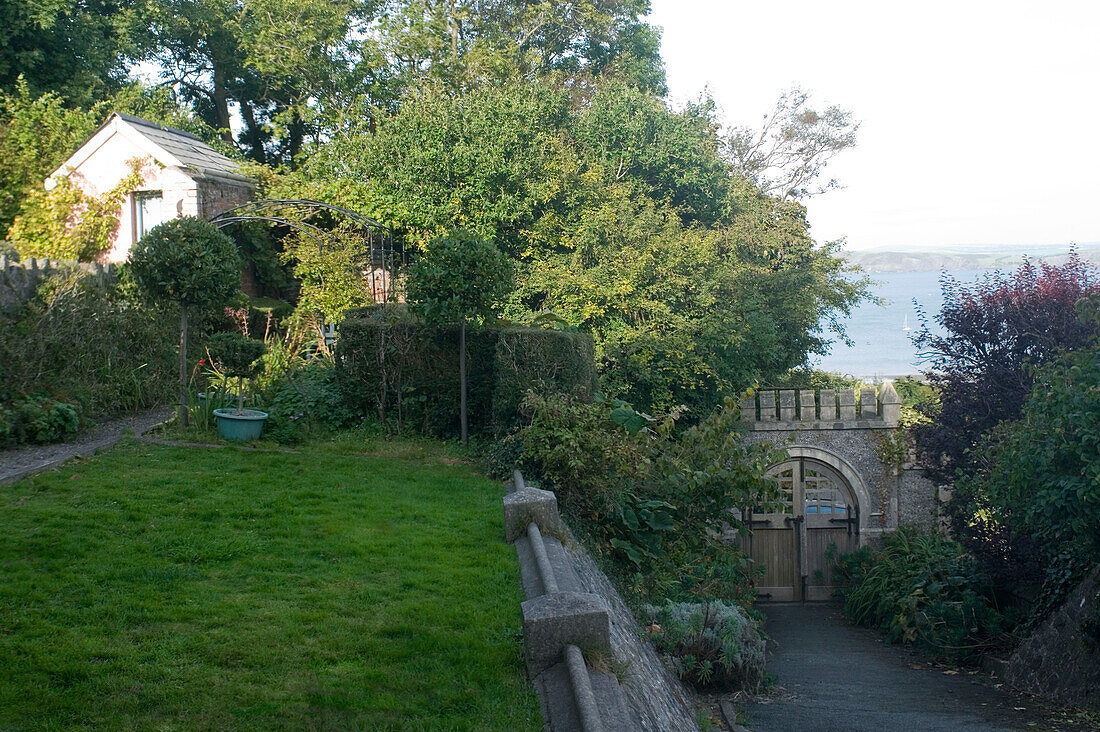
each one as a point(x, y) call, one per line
point(573, 445)
point(711, 645)
point(997, 332)
point(189, 262)
point(46, 420)
point(656, 504)
point(926, 590)
point(305, 397)
point(86, 341)
point(37, 418)
point(236, 355)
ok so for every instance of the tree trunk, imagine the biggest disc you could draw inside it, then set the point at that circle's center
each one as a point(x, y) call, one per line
point(183, 366)
point(254, 134)
point(462, 381)
point(296, 131)
point(221, 104)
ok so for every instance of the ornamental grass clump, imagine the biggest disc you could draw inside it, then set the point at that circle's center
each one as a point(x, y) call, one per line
point(238, 356)
point(710, 644)
point(924, 589)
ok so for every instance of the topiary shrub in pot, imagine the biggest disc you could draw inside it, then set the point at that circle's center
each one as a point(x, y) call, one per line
point(238, 356)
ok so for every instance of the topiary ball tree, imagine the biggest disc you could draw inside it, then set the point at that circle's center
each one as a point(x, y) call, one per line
point(237, 355)
point(460, 277)
point(191, 263)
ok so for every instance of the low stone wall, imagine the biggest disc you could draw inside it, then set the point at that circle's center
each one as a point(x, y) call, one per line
point(19, 280)
point(1057, 661)
point(585, 653)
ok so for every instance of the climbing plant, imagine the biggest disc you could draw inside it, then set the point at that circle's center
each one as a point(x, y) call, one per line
point(68, 223)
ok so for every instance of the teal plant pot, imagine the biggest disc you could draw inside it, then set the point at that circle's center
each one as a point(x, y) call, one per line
point(248, 425)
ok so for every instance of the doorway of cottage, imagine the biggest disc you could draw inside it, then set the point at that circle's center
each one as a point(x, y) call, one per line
point(819, 509)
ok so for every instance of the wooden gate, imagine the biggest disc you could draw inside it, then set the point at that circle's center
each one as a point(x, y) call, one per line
point(819, 509)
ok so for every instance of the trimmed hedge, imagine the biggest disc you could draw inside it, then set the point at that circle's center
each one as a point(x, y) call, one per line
point(404, 371)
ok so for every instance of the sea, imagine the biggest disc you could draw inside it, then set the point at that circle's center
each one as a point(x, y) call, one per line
point(881, 334)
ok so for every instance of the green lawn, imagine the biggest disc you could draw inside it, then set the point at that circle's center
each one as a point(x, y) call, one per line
point(172, 588)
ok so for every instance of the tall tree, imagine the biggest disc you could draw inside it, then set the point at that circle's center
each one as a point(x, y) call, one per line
point(465, 43)
point(72, 48)
point(786, 156)
point(461, 278)
point(622, 217)
point(272, 60)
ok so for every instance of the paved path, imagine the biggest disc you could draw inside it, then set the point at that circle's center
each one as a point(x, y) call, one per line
point(838, 677)
point(21, 462)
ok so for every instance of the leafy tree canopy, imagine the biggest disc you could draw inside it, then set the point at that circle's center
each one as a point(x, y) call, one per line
point(622, 217)
point(188, 261)
point(995, 333)
point(459, 277)
point(72, 48)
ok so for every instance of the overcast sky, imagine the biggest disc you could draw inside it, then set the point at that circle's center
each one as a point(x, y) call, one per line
point(980, 120)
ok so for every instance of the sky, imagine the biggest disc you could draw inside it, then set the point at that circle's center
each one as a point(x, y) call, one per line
point(980, 121)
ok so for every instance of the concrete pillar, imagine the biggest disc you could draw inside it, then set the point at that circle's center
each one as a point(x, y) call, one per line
point(527, 505)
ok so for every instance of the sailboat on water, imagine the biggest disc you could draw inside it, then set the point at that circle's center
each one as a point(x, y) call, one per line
point(905, 328)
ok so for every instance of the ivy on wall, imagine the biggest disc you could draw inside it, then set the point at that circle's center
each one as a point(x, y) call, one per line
point(67, 223)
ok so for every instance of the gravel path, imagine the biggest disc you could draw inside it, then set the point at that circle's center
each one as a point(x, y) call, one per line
point(838, 677)
point(21, 462)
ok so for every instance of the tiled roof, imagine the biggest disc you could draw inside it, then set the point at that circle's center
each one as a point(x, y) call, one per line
point(189, 150)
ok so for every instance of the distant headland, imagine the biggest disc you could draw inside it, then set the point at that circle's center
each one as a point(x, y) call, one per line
point(962, 259)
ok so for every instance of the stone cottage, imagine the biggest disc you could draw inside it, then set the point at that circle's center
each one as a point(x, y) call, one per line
point(181, 176)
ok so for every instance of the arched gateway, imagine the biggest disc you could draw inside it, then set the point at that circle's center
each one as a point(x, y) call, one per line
point(838, 489)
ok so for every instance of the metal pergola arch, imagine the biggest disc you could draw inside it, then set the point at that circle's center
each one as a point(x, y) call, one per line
point(382, 254)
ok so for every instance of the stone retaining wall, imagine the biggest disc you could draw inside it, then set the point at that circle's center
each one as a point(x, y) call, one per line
point(585, 653)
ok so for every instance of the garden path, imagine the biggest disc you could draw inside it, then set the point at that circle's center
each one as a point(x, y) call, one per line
point(834, 676)
point(18, 463)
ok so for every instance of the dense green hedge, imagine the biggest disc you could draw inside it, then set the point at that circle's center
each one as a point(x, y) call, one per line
point(406, 372)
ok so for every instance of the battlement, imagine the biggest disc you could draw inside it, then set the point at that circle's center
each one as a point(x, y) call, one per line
point(829, 409)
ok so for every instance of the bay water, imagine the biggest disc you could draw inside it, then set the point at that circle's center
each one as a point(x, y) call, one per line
point(881, 334)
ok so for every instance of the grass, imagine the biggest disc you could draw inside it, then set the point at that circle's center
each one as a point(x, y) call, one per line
point(170, 588)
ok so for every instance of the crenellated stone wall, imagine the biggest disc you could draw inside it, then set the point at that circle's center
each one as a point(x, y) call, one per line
point(779, 409)
point(849, 430)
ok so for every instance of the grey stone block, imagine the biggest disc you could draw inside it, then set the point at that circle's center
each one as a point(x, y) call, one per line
point(889, 404)
point(551, 622)
point(767, 406)
point(748, 409)
point(786, 405)
point(828, 405)
point(847, 404)
point(807, 403)
point(523, 506)
point(868, 406)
